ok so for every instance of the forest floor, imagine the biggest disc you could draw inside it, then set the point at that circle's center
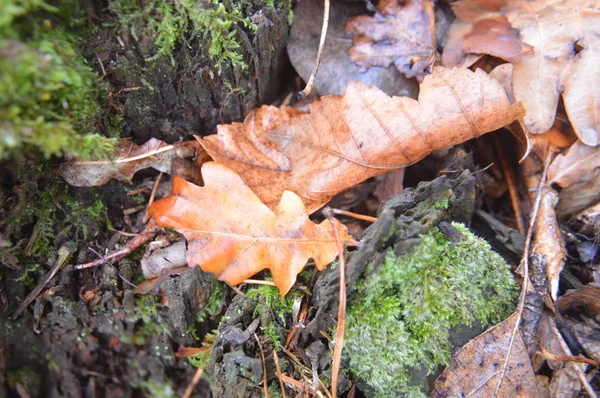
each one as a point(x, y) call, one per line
point(470, 237)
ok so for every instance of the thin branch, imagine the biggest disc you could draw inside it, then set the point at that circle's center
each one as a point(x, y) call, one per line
point(525, 264)
point(276, 359)
point(152, 195)
point(341, 323)
point(264, 365)
point(354, 215)
point(192, 385)
point(304, 93)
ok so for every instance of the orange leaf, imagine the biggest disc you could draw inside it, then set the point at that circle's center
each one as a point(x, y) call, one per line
point(231, 233)
point(362, 133)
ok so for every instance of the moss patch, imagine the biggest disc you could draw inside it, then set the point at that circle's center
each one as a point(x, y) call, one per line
point(179, 21)
point(401, 315)
point(47, 91)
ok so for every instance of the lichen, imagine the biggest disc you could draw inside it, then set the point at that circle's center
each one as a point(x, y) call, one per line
point(401, 314)
point(47, 91)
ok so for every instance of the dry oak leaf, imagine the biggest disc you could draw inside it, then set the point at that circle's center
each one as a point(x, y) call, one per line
point(481, 368)
point(232, 234)
point(577, 172)
point(565, 36)
point(399, 34)
point(346, 139)
point(128, 159)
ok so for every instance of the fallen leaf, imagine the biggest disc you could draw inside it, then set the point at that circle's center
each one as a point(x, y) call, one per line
point(128, 159)
point(399, 33)
point(304, 41)
point(548, 241)
point(232, 234)
point(158, 262)
point(565, 36)
point(578, 164)
point(347, 139)
point(579, 312)
point(495, 36)
point(476, 369)
point(577, 172)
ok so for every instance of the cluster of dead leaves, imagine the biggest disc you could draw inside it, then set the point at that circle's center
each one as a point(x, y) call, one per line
point(282, 164)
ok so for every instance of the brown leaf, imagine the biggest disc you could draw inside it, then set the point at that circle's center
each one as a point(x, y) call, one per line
point(566, 39)
point(347, 139)
point(578, 164)
point(397, 34)
point(548, 241)
point(476, 369)
point(128, 159)
point(231, 233)
point(495, 36)
point(578, 173)
point(579, 311)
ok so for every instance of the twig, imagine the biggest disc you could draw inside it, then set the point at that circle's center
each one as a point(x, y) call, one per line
point(276, 359)
point(509, 177)
point(304, 93)
point(525, 264)
point(151, 200)
point(264, 365)
point(192, 385)
point(567, 358)
point(64, 254)
point(563, 345)
point(259, 282)
point(148, 233)
point(354, 215)
point(339, 334)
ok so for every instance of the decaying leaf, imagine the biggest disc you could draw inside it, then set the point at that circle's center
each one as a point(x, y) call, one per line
point(495, 36)
point(128, 159)
point(304, 41)
point(232, 234)
point(578, 164)
point(399, 34)
point(476, 369)
point(548, 242)
point(565, 36)
point(579, 312)
point(577, 172)
point(347, 139)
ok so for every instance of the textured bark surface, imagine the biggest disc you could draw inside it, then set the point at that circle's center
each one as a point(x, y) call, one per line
point(171, 98)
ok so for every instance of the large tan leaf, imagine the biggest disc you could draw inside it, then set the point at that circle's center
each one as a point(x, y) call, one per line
point(565, 36)
point(399, 34)
point(231, 233)
point(128, 159)
point(362, 133)
point(491, 365)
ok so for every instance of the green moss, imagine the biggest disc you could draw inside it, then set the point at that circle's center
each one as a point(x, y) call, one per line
point(87, 220)
point(173, 21)
point(401, 315)
point(47, 91)
point(157, 390)
point(27, 377)
point(275, 312)
point(148, 321)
